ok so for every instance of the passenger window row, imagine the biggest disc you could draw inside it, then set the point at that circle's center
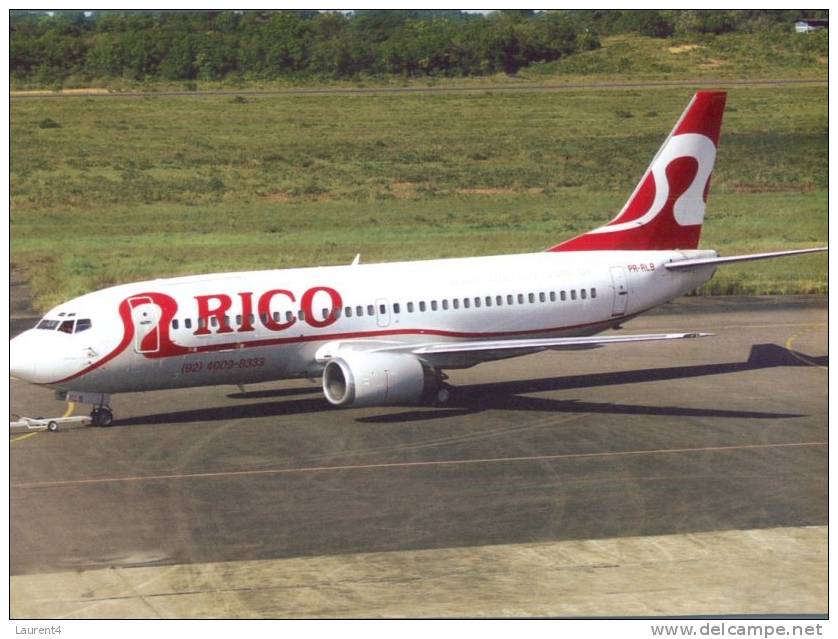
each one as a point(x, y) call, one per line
point(495, 300)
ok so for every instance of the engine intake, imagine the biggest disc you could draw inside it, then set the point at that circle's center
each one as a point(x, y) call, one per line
point(358, 378)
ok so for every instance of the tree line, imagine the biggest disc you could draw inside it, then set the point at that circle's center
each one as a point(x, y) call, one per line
point(47, 48)
point(693, 22)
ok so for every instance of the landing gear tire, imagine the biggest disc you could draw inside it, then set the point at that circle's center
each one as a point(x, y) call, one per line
point(102, 416)
point(52, 426)
point(442, 395)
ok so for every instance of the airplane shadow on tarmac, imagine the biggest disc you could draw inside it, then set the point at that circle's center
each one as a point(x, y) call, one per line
point(475, 398)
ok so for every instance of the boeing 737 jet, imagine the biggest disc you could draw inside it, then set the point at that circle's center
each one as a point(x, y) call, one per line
point(386, 333)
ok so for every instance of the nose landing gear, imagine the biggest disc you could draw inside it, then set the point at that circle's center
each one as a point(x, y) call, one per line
point(101, 415)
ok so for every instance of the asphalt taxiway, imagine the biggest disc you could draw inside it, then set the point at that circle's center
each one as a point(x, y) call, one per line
point(687, 477)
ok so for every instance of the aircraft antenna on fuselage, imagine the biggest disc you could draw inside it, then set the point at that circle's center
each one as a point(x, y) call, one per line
point(357, 260)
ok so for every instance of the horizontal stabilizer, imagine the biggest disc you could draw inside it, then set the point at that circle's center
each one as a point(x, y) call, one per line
point(704, 261)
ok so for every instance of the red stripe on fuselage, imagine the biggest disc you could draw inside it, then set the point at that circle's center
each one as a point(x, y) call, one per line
point(279, 341)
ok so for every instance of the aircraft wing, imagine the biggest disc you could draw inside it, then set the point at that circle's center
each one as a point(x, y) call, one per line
point(454, 354)
point(464, 354)
point(704, 261)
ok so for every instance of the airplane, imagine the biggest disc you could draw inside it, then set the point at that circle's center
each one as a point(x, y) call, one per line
point(384, 334)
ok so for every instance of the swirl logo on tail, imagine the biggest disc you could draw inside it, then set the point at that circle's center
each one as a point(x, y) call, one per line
point(666, 209)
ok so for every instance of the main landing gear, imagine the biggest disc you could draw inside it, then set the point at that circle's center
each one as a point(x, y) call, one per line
point(442, 393)
point(102, 416)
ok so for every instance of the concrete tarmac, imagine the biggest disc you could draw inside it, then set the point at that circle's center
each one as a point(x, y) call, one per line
point(718, 442)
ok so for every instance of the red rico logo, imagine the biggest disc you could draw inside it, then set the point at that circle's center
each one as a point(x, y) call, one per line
point(151, 329)
point(214, 310)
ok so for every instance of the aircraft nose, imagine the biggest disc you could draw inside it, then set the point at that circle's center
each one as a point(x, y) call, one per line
point(22, 358)
point(45, 357)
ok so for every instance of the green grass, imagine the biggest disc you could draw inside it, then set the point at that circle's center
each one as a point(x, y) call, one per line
point(773, 54)
point(127, 189)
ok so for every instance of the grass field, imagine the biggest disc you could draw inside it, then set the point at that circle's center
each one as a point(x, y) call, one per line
point(732, 55)
point(107, 190)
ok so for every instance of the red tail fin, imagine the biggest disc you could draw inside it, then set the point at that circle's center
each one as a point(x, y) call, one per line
point(666, 209)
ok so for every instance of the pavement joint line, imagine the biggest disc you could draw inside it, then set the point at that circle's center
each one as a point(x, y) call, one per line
point(396, 465)
point(468, 437)
point(134, 589)
point(133, 592)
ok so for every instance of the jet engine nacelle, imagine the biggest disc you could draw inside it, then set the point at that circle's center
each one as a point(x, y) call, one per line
point(358, 378)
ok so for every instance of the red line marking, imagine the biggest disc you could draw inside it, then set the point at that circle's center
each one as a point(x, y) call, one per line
point(392, 465)
point(209, 348)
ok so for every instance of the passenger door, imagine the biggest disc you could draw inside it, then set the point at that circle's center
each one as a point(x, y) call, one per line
point(145, 315)
point(620, 283)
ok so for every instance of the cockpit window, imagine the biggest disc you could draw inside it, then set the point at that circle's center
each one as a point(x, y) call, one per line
point(66, 326)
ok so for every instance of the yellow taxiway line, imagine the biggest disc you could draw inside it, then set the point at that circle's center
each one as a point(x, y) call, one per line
point(797, 355)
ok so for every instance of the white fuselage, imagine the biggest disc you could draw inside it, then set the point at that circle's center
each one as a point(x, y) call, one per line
point(238, 328)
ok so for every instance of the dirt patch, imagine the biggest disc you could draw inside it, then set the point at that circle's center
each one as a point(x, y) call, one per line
point(88, 91)
point(712, 64)
point(84, 91)
point(497, 191)
point(486, 191)
point(822, 59)
point(404, 190)
point(282, 198)
point(684, 48)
